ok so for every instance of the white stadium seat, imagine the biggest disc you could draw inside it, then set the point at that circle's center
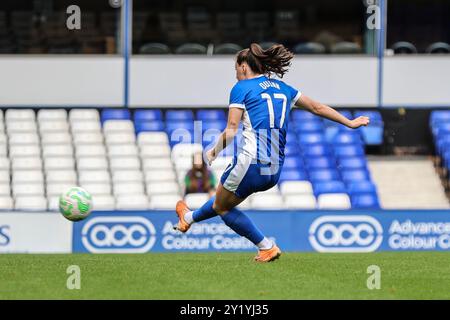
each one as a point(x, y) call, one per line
point(3, 138)
point(262, 200)
point(4, 176)
point(85, 126)
point(23, 138)
point(164, 202)
point(37, 203)
point(300, 201)
point(87, 138)
point(50, 138)
point(122, 150)
point(5, 188)
point(132, 202)
point(6, 203)
point(4, 163)
point(61, 176)
point(156, 164)
point(57, 150)
point(196, 200)
point(90, 150)
point(120, 138)
point(51, 114)
point(158, 138)
point(19, 114)
point(183, 163)
point(24, 151)
point(160, 175)
point(83, 115)
point(125, 163)
point(155, 151)
point(92, 163)
point(296, 187)
point(245, 205)
point(118, 126)
point(53, 126)
point(21, 126)
point(58, 163)
point(154, 188)
point(128, 188)
point(97, 188)
point(28, 189)
point(27, 176)
point(2, 127)
point(333, 201)
point(185, 150)
point(94, 176)
point(56, 189)
point(27, 163)
point(273, 190)
point(3, 150)
point(53, 203)
point(119, 176)
point(105, 202)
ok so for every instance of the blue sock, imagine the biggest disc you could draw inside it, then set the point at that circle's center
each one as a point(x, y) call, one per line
point(242, 225)
point(205, 212)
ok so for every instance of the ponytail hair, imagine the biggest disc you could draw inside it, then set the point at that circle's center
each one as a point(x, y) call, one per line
point(274, 60)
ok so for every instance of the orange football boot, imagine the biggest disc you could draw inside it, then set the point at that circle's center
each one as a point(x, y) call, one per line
point(268, 254)
point(181, 209)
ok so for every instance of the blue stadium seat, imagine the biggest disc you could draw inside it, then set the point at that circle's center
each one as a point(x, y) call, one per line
point(211, 115)
point(374, 116)
point(291, 150)
point(373, 134)
point(346, 138)
point(323, 175)
point(352, 163)
point(311, 138)
point(147, 115)
point(173, 125)
point(309, 127)
point(359, 187)
point(142, 126)
point(292, 175)
point(179, 115)
point(355, 175)
point(316, 150)
point(349, 151)
point(115, 114)
point(441, 129)
point(293, 163)
point(291, 137)
point(439, 116)
point(214, 124)
point(443, 144)
point(365, 201)
point(301, 115)
point(313, 163)
point(334, 186)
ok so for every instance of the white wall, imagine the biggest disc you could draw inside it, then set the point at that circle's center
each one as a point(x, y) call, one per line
point(416, 81)
point(61, 80)
point(196, 81)
point(190, 81)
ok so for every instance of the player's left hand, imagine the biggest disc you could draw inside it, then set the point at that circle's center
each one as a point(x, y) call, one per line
point(359, 122)
point(211, 156)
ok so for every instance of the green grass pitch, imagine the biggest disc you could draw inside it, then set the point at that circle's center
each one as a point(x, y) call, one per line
point(405, 275)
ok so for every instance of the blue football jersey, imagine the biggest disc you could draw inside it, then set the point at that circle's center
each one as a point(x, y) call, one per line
point(266, 103)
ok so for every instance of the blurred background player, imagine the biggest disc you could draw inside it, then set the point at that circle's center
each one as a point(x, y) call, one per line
point(199, 179)
point(263, 105)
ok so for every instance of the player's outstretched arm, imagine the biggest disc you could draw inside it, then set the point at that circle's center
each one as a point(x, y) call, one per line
point(227, 136)
point(327, 112)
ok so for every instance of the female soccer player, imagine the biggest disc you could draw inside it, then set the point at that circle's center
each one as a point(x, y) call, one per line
point(262, 103)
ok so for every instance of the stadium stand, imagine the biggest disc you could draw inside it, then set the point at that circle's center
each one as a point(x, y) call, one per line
point(137, 160)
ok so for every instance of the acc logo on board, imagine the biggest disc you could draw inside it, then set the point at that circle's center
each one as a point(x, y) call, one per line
point(118, 235)
point(345, 234)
